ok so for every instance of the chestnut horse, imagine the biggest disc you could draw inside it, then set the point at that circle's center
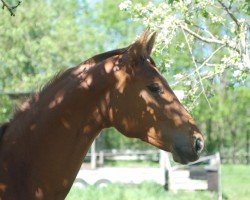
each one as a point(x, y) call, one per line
point(42, 147)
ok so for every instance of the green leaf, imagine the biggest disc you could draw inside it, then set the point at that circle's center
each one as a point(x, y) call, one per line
point(204, 13)
point(172, 1)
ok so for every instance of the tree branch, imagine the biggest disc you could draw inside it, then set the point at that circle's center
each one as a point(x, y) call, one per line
point(196, 67)
point(229, 13)
point(200, 28)
point(10, 8)
point(204, 39)
point(202, 65)
point(209, 40)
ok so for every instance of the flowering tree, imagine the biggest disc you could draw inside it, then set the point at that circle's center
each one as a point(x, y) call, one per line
point(199, 42)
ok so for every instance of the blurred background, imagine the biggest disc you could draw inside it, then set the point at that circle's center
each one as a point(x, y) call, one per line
point(202, 50)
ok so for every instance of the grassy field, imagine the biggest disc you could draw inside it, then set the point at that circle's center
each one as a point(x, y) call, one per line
point(235, 186)
point(236, 182)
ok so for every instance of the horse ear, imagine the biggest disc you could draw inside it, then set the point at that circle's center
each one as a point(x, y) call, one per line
point(142, 46)
point(150, 43)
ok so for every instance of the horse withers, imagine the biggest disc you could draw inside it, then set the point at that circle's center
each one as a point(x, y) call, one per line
point(42, 148)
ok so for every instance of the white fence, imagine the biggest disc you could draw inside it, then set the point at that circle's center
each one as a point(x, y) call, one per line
point(203, 174)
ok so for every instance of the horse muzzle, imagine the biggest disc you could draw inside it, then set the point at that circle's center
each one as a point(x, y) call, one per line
point(185, 153)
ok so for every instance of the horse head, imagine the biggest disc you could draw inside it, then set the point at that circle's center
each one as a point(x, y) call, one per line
point(142, 105)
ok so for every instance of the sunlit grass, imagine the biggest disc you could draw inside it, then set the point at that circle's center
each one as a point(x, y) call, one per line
point(236, 182)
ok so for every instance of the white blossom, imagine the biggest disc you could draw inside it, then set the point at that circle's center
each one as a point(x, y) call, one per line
point(125, 5)
point(241, 66)
point(167, 65)
point(182, 45)
point(188, 1)
point(178, 76)
point(236, 73)
point(187, 83)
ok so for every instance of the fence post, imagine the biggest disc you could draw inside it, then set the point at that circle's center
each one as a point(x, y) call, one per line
point(93, 155)
point(101, 158)
point(219, 176)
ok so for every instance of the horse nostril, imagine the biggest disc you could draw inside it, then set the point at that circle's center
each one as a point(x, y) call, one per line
point(199, 144)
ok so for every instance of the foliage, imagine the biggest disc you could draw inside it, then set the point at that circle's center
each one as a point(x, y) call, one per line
point(131, 163)
point(235, 181)
point(198, 41)
point(5, 107)
point(47, 36)
point(112, 139)
point(226, 123)
point(36, 43)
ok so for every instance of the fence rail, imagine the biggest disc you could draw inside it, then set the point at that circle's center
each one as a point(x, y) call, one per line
point(239, 158)
point(226, 158)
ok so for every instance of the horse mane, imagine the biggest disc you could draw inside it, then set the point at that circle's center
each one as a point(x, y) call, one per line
point(62, 74)
point(3, 128)
point(91, 62)
point(103, 56)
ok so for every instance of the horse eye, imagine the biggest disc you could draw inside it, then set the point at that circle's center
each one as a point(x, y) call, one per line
point(155, 88)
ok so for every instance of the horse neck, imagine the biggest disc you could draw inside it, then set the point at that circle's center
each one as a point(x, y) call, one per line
point(55, 130)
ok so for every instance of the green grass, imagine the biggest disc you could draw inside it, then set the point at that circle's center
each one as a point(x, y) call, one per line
point(145, 191)
point(235, 184)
